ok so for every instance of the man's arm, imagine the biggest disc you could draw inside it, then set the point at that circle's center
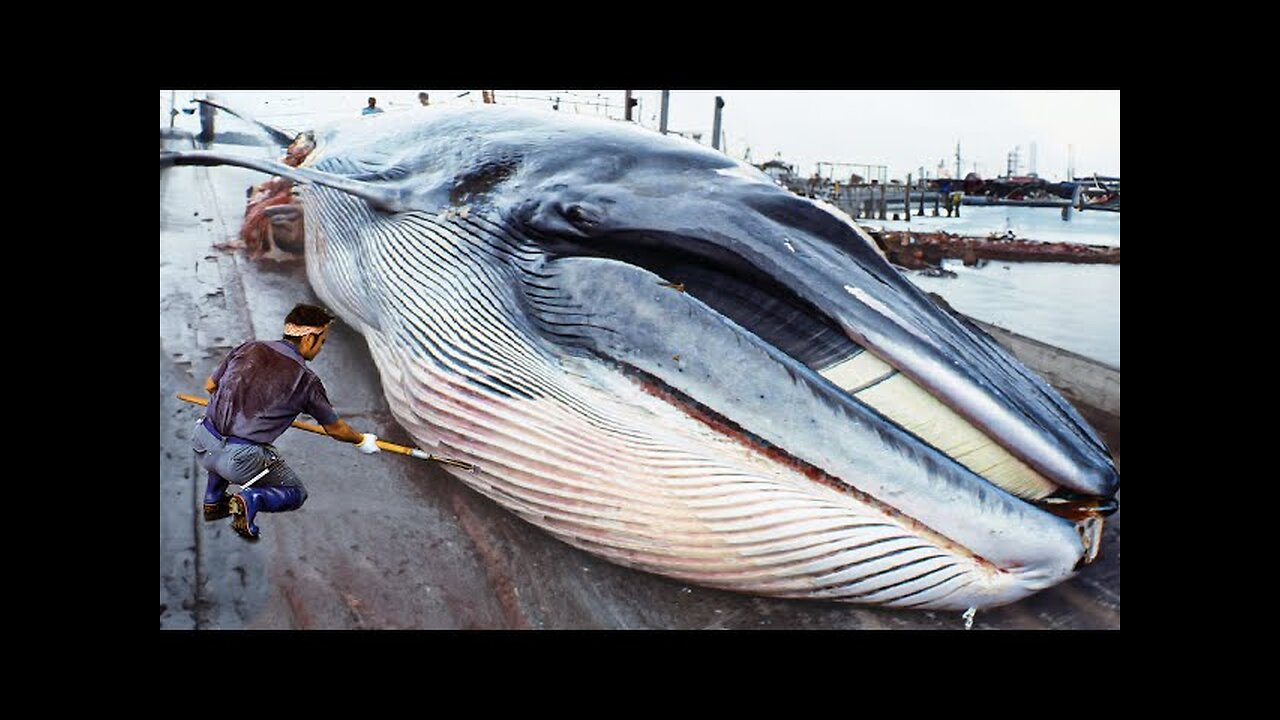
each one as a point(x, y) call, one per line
point(320, 408)
point(212, 383)
point(366, 443)
point(340, 430)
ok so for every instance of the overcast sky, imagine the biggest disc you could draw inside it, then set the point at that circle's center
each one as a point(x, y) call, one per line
point(909, 129)
point(903, 129)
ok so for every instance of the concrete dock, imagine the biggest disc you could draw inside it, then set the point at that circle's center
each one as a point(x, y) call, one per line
point(388, 542)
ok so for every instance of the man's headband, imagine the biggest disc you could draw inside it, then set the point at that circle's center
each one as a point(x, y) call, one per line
point(302, 330)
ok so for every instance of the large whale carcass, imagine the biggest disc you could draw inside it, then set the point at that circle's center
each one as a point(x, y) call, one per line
point(657, 355)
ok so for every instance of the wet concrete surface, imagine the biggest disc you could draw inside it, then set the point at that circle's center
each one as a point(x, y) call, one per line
point(386, 541)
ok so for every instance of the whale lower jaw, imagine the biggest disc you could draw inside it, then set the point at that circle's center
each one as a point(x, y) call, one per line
point(667, 492)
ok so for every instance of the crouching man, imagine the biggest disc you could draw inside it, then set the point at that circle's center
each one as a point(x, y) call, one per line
point(255, 394)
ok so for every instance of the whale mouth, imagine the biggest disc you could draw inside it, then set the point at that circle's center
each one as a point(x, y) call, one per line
point(819, 338)
point(1086, 512)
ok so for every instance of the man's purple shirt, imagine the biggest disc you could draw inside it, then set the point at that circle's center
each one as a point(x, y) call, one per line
point(262, 386)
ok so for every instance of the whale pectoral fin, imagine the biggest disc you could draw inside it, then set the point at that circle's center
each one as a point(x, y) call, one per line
point(387, 174)
point(279, 136)
point(382, 198)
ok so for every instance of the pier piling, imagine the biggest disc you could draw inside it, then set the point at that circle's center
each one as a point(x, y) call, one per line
point(1075, 203)
point(206, 123)
point(715, 129)
point(906, 199)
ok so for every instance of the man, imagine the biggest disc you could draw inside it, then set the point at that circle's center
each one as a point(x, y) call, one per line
point(424, 99)
point(255, 394)
point(373, 108)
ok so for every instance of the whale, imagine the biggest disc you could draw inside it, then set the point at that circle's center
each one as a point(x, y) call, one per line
point(657, 355)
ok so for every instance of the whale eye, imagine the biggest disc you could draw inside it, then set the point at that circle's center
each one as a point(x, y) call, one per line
point(580, 214)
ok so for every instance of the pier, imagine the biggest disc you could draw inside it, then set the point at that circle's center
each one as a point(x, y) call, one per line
point(921, 250)
point(937, 197)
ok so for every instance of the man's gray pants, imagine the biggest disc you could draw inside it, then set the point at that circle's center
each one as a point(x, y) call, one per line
point(239, 463)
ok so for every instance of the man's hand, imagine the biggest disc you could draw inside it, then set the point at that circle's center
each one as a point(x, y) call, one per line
point(368, 445)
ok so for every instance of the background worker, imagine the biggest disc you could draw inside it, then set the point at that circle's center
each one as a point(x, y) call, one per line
point(255, 394)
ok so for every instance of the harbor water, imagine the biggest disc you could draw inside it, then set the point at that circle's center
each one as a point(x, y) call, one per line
point(1091, 227)
point(1076, 307)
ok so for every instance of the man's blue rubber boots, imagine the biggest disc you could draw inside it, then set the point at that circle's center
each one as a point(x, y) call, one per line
point(215, 498)
point(252, 501)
